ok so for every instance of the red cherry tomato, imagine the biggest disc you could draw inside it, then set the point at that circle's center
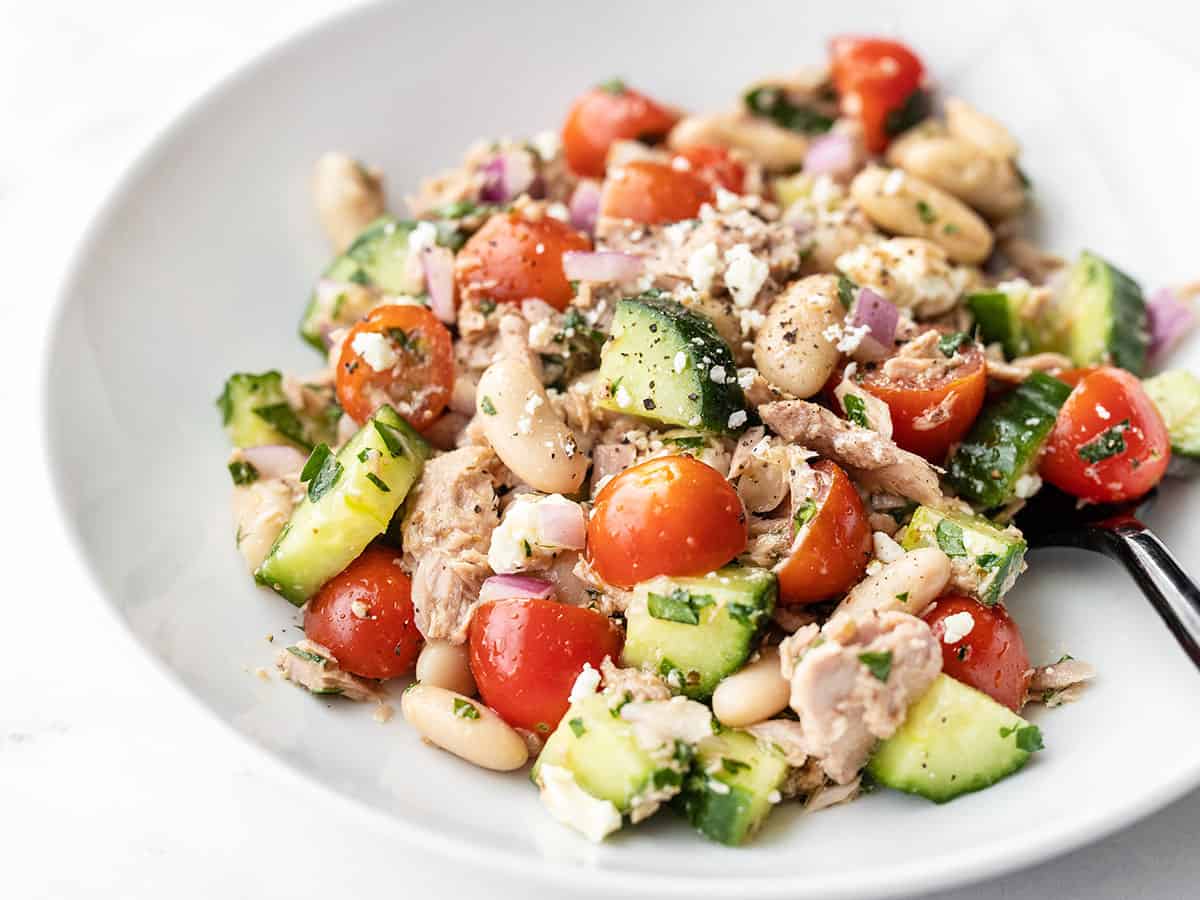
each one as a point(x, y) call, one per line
point(526, 654)
point(715, 164)
point(653, 192)
point(672, 515)
point(365, 617)
point(1110, 443)
point(417, 384)
point(832, 548)
point(934, 408)
point(990, 656)
point(512, 258)
point(608, 113)
point(874, 78)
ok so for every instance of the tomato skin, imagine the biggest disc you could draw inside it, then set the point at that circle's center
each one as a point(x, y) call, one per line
point(385, 644)
point(715, 164)
point(652, 193)
point(1103, 398)
point(424, 372)
point(910, 399)
point(502, 260)
point(873, 78)
point(991, 658)
point(604, 115)
point(672, 515)
point(832, 550)
point(526, 654)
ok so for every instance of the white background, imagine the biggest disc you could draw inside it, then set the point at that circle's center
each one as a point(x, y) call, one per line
point(112, 783)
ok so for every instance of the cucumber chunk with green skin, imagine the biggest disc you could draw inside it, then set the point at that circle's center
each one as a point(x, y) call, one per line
point(955, 740)
point(666, 363)
point(995, 555)
point(1004, 443)
point(602, 752)
point(999, 319)
point(351, 499)
point(1176, 393)
point(1099, 318)
point(256, 413)
point(695, 631)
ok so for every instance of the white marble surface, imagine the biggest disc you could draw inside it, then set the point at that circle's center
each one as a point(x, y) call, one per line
point(112, 784)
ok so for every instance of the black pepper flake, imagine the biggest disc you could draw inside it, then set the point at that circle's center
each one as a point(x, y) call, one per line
point(789, 337)
point(648, 403)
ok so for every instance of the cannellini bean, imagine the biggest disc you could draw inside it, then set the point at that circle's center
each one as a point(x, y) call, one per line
point(754, 694)
point(525, 430)
point(907, 205)
point(348, 196)
point(969, 124)
point(988, 183)
point(446, 665)
point(464, 727)
point(791, 350)
point(908, 585)
point(776, 148)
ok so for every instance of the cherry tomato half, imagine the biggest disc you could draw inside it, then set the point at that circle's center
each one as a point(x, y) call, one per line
point(400, 355)
point(833, 545)
point(874, 78)
point(526, 654)
point(715, 164)
point(1110, 443)
point(608, 113)
point(672, 515)
point(987, 653)
point(512, 258)
point(654, 192)
point(365, 617)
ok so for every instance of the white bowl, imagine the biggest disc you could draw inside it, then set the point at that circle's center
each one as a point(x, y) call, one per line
point(200, 264)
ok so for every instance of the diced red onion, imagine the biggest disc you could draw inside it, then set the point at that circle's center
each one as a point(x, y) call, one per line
point(438, 265)
point(561, 525)
point(506, 176)
point(830, 154)
point(275, 460)
point(515, 587)
point(1170, 319)
point(584, 207)
point(881, 318)
point(600, 265)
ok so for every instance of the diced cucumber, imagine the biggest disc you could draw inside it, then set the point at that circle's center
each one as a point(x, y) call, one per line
point(1176, 393)
point(994, 554)
point(998, 316)
point(377, 258)
point(666, 363)
point(350, 502)
point(1099, 318)
point(255, 412)
point(955, 740)
point(695, 631)
point(607, 760)
point(1004, 443)
point(733, 786)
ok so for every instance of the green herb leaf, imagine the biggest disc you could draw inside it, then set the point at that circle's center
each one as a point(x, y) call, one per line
point(950, 344)
point(856, 410)
point(878, 664)
point(321, 472)
point(577, 726)
point(612, 86)
point(902, 597)
point(915, 108)
point(678, 606)
point(1107, 443)
point(950, 228)
point(733, 766)
point(772, 103)
point(378, 482)
point(391, 437)
point(307, 655)
point(1029, 737)
point(687, 442)
point(805, 513)
point(666, 778)
point(743, 612)
point(283, 419)
point(988, 561)
point(950, 538)
point(525, 545)
point(242, 472)
point(847, 290)
point(487, 306)
point(465, 709)
point(225, 405)
point(925, 211)
point(487, 407)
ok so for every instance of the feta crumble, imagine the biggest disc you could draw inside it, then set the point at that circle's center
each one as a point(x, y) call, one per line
point(587, 682)
point(702, 266)
point(1027, 485)
point(376, 350)
point(737, 419)
point(422, 237)
point(957, 627)
point(680, 362)
point(623, 398)
point(745, 274)
point(571, 805)
point(717, 375)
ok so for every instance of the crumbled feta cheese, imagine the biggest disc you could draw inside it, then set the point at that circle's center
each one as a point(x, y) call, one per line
point(657, 722)
point(1027, 485)
point(774, 797)
point(680, 362)
point(422, 237)
point(727, 201)
point(542, 333)
point(376, 350)
point(852, 336)
point(886, 549)
point(957, 627)
point(694, 421)
point(547, 144)
point(750, 320)
point(533, 401)
point(745, 378)
point(676, 234)
point(745, 274)
point(524, 425)
point(737, 419)
point(702, 266)
point(623, 398)
point(717, 375)
point(717, 787)
point(558, 211)
point(360, 610)
point(574, 807)
point(587, 682)
point(893, 182)
point(832, 333)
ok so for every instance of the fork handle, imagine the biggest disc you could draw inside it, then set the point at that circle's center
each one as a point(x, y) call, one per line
point(1173, 594)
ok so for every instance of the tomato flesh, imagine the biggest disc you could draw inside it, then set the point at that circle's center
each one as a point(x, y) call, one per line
point(715, 164)
point(874, 78)
point(990, 656)
point(526, 654)
point(606, 114)
point(416, 355)
point(1110, 443)
point(830, 552)
point(653, 192)
point(672, 515)
point(364, 616)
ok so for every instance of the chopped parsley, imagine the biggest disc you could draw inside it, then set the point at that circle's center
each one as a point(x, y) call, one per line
point(988, 561)
point(846, 289)
point(487, 407)
point(577, 726)
point(487, 306)
point(242, 472)
point(902, 597)
point(950, 344)
point(772, 103)
point(465, 709)
point(527, 548)
point(678, 606)
point(878, 664)
point(666, 778)
point(1029, 737)
point(915, 108)
point(856, 410)
point(307, 655)
point(743, 612)
point(733, 766)
point(687, 442)
point(1108, 443)
point(378, 482)
point(390, 435)
point(805, 514)
point(950, 538)
point(950, 228)
point(283, 419)
point(321, 472)
point(612, 86)
point(925, 211)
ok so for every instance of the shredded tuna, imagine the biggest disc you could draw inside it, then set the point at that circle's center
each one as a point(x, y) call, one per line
point(634, 684)
point(1062, 682)
point(828, 795)
point(786, 736)
point(312, 666)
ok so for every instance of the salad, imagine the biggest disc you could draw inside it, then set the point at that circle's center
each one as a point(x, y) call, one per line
point(678, 453)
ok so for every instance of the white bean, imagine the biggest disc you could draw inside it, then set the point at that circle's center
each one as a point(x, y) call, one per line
point(348, 197)
point(791, 349)
point(908, 585)
point(525, 430)
point(776, 148)
point(907, 205)
point(754, 694)
point(968, 123)
point(446, 665)
point(464, 727)
point(988, 183)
